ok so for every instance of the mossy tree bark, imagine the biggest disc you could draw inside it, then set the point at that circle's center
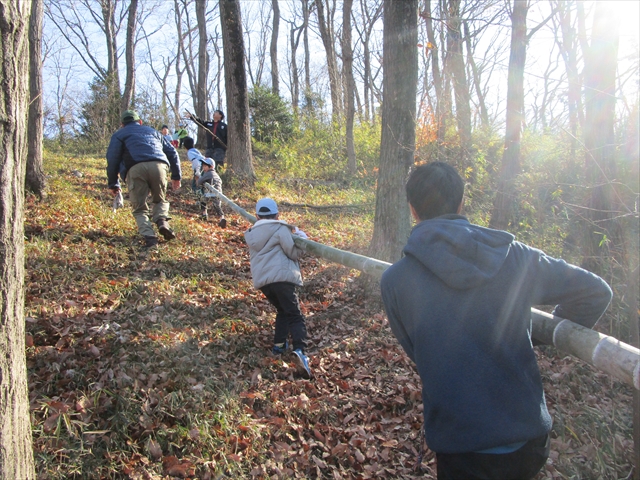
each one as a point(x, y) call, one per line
point(16, 454)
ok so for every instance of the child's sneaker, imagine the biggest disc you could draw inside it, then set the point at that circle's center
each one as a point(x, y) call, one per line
point(302, 362)
point(222, 223)
point(279, 348)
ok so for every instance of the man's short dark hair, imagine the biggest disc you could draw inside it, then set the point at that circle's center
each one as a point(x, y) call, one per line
point(271, 216)
point(188, 142)
point(434, 189)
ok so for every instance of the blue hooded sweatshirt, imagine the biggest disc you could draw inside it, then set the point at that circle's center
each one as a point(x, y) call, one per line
point(459, 303)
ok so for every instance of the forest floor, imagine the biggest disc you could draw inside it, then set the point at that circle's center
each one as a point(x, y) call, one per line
point(158, 365)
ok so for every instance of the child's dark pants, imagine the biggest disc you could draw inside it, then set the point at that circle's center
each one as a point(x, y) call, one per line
point(523, 464)
point(289, 319)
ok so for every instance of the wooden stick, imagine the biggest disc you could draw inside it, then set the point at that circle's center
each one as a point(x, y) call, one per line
point(602, 351)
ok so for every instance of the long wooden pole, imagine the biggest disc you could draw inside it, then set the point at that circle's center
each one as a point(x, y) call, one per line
point(602, 351)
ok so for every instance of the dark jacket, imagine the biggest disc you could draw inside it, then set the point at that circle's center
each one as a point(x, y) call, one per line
point(135, 143)
point(220, 133)
point(459, 303)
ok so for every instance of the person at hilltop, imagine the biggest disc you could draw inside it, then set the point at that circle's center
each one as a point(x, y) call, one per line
point(142, 156)
point(276, 272)
point(459, 302)
point(216, 135)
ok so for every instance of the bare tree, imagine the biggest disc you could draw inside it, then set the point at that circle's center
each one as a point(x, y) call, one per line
point(325, 14)
point(35, 178)
point(202, 94)
point(369, 16)
point(392, 223)
point(505, 200)
point(130, 56)
point(349, 87)
point(256, 54)
point(239, 151)
point(16, 452)
point(273, 50)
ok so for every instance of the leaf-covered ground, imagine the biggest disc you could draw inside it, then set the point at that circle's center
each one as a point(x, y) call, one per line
point(158, 366)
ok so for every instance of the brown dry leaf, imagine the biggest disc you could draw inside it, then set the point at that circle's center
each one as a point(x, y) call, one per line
point(256, 376)
point(390, 443)
point(339, 449)
point(154, 449)
point(94, 351)
point(320, 463)
point(359, 456)
point(51, 423)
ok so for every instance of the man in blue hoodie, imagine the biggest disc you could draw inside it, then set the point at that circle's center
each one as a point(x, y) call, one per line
point(143, 157)
point(459, 303)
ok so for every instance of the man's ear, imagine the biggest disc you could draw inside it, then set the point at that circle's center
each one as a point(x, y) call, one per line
point(140, 122)
point(414, 214)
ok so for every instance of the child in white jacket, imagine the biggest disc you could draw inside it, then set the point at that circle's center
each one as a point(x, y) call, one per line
point(276, 272)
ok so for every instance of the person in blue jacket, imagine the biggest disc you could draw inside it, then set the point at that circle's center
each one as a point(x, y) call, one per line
point(459, 302)
point(143, 157)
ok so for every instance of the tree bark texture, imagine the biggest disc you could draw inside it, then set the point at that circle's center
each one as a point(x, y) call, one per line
point(16, 454)
point(239, 145)
point(130, 56)
point(201, 106)
point(347, 62)
point(435, 70)
point(400, 83)
point(505, 200)
point(273, 49)
point(35, 178)
point(599, 139)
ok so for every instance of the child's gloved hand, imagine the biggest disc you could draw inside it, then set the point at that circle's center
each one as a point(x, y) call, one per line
point(300, 233)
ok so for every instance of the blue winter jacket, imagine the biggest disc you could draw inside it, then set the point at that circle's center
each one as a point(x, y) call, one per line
point(459, 303)
point(135, 143)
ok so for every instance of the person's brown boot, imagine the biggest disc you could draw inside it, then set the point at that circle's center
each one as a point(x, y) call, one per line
point(150, 242)
point(165, 231)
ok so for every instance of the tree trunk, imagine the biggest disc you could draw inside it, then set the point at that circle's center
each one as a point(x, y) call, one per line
point(201, 107)
point(325, 25)
point(400, 83)
point(112, 79)
point(16, 452)
point(239, 145)
point(484, 112)
point(273, 50)
point(600, 100)
point(435, 69)
point(130, 55)
point(504, 203)
point(307, 55)
point(35, 179)
point(347, 62)
point(460, 84)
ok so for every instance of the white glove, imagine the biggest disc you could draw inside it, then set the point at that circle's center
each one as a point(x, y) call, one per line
point(118, 201)
point(300, 233)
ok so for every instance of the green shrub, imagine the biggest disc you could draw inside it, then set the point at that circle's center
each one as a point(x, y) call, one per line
point(271, 117)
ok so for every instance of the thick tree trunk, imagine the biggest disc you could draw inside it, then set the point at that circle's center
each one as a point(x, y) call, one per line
point(239, 145)
point(347, 61)
point(504, 203)
point(201, 106)
point(130, 56)
point(16, 453)
point(273, 49)
point(600, 100)
point(400, 83)
point(35, 179)
point(460, 84)
point(112, 78)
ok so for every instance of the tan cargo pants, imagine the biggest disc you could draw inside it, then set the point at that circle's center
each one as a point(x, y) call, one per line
point(142, 179)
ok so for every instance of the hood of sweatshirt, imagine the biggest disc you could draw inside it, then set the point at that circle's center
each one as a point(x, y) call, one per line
point(462, 255)
point(260, 233)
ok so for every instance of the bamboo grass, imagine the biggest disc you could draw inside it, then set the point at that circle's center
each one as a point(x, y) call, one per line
point(602, 351)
